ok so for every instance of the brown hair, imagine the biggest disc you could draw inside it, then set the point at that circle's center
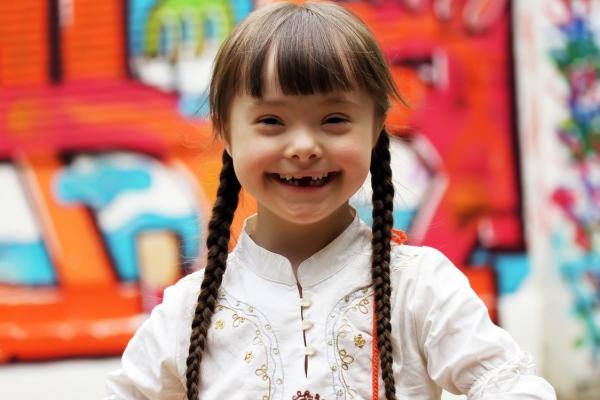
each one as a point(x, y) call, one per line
point(317, 48)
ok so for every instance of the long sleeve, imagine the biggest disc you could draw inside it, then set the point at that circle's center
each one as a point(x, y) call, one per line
point(151, 366)
point(464, 351)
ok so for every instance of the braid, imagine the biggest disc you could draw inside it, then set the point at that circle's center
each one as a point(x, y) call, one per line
point(383, 221)
point(218, 246)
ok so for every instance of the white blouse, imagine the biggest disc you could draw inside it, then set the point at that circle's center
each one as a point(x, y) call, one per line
point(264, 333)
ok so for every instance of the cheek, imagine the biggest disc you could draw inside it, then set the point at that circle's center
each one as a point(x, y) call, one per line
point(355, 157)
point(251, 164)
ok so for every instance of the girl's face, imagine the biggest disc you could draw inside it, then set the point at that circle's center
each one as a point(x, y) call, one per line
point(301, 157)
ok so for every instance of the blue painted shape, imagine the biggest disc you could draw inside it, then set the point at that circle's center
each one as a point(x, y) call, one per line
point(241, 9)
point(511, 271)
point(480, 257)
point(139, 10)
point(195, 106)
point(403, 218)
point(188, 31)
point(138, 15)
point(100, 185)
point(122, 243)
point(575, 271)
point(25, 264)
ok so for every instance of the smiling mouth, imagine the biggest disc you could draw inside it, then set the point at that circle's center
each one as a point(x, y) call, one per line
point(305, 181)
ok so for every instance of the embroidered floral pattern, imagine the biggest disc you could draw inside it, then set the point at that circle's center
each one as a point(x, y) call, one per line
point(237, 320)
point(362, 306)
point(263, 355)
point(345, 340)
point(359, 341)
point(346, 358)
point(262, 372)
point(306, 396)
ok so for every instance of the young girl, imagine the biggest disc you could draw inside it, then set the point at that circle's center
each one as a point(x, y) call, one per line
point(311, 303)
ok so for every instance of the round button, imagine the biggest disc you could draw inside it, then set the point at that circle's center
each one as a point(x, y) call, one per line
point(306, 303)
point(306, 325)
point(310, 351)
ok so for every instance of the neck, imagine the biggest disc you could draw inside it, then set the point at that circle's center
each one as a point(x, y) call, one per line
point(297, 242)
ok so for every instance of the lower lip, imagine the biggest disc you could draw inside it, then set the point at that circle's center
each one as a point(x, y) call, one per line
point(331, 178)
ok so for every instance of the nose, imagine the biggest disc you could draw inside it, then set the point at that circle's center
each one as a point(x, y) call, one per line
point(303, 146)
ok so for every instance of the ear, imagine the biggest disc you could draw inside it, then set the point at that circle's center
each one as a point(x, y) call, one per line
point(378, 127)
point(226, 141)
point(227, 146)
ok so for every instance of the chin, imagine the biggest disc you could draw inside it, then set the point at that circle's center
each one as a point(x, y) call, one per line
point(306, 217)
point(303, 219)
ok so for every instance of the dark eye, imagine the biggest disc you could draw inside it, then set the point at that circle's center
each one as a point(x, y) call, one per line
point(270, 121)
point(335, 119)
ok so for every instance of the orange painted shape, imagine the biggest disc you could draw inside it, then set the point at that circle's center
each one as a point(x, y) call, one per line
point(483, 282)
point(72, 239)
point(93, 40)
point(23, 42)
point(43, 323)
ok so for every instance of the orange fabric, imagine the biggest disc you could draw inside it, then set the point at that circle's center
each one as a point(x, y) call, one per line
point(398, 236)
point(375, 356)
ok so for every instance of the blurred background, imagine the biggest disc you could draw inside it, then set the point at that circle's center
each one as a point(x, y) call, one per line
point(108, 169)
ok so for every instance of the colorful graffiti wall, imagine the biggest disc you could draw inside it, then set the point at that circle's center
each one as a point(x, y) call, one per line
point(559, 94)
point(105, 185)
point(108, 168)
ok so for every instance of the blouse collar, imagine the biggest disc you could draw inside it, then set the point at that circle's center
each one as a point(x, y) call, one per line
point(326, 262)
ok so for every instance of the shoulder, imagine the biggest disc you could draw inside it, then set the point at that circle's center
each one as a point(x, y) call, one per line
point(418, 260)
point(154, 363)
point(179, 301)
point(185, 287)
point(426, 274)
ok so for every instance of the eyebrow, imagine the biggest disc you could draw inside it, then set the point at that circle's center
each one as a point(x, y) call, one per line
point(333, 100)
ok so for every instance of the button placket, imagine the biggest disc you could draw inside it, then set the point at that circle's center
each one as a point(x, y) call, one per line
point(307, 324)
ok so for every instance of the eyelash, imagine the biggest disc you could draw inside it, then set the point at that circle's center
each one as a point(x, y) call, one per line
point(332, 119)
point(339, 119)
point(270, 121)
